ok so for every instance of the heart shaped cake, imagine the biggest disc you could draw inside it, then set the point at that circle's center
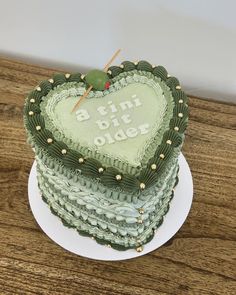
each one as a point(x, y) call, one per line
point(108, 168)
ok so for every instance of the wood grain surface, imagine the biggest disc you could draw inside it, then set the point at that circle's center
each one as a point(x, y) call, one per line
point(200, 259)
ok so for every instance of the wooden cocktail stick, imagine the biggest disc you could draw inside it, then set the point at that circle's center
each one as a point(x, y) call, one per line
point(111, 60)
point(81, 98)
point(90, 87)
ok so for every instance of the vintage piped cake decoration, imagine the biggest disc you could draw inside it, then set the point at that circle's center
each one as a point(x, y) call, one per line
point(108, 167)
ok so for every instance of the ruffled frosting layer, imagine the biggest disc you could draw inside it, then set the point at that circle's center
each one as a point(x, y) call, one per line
point(112, 220)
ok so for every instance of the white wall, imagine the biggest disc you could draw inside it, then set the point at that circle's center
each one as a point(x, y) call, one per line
point(195, 40)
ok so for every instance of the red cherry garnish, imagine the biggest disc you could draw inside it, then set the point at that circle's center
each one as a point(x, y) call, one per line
point(107, 85)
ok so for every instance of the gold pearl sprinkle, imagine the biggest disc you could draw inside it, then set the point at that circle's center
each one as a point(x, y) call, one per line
point(64, 151)
point(142, 185)
point(49, 140)
point(178, 87)
point(136, 62)
point(108, 245)
point(139, 220)
point(100, 170)
point(38, 89)
point(139, 249)
point(169, 141)
point(118, 177)
point(141, 210)
point(139, 242)
point(109, 72)
point(162, 156)
point(51, 81)
point(153, 166)
point(31, 113)
point(92, 238)
point(38, 127)
point(180, 115)
point(32, 100)
point(121, 66)
point(67, 75)
point(168, 75)
point(176, 128)
point(153, 66)
point(181, 101)
point(81, 160)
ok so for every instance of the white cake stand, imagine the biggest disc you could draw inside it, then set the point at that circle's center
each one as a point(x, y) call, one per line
point(70, 240)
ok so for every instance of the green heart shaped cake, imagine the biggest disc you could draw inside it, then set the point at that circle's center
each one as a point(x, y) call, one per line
point(108, 169)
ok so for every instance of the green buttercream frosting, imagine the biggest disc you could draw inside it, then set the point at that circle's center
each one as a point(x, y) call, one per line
point(109, 168)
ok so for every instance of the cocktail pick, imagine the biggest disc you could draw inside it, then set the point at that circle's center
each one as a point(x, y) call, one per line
point(91, 86)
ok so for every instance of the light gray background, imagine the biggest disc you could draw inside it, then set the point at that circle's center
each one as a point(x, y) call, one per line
point(194, 40)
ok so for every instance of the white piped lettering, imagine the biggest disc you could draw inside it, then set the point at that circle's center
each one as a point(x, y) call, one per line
point(102, 110)
point(82, 115)
point(99, 141)
point(120, 135)
point(143, 128)
point(102, 124)
point(132, 132)
point(110, 121)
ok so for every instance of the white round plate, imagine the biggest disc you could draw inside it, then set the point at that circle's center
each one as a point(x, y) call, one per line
point(70, 240)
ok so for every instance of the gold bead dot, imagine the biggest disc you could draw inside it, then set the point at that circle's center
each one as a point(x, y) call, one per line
point(181, 101)
point(180, 115)
point(38, 88)
point(153, 166)
point(64, 151)
point(121, 66)
point(32, 100)
point(100, 170)
point(31, 113)
point(38, 127)
point(139, 249)
point(162, 156)
point(168, 75)
point(109, 72)
point(67, 75)
point(51, 81)
point(142, 185)
point(139, 242)
point(178, 87)
point(141, 210)
point(169, 141)
point(176, 128)
point(81, 160)
point(118, 177)
point(108, 245)
point(92, 238)
point(136, 62)
point(139, 220)
point(49, 140)
point(153, 66)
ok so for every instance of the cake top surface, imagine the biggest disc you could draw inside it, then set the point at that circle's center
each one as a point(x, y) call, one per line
point(123, 122)
point(124, 130)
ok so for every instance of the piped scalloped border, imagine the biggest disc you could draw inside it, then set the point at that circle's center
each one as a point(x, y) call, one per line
point(90, 167)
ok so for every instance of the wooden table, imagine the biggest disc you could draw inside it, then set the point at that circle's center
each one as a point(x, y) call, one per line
point(200, 259)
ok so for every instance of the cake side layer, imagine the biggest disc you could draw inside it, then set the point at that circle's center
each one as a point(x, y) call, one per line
point(90, 197)
point(77, 179)
point(108, 228)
